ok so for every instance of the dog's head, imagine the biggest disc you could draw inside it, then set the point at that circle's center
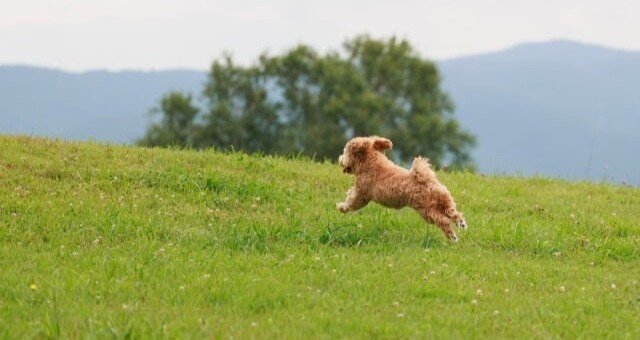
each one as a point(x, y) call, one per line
point(358, 150)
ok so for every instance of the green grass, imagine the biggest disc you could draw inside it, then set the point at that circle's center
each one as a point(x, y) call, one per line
point(110, 241)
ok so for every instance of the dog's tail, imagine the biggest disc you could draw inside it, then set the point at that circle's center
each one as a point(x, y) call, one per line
point(421, 170)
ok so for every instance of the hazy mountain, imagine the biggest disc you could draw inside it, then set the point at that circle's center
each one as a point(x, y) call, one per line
point(99, 105)
point(556, 108)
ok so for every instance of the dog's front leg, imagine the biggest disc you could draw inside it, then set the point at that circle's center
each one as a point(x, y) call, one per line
point(354, 201)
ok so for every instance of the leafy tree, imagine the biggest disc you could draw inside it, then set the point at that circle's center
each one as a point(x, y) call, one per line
point(177, 122)
point(302, 101)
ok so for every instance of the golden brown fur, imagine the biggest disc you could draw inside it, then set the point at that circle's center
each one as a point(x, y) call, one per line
point(380, 180)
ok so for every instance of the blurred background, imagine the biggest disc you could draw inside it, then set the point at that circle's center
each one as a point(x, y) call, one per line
point(508, 87)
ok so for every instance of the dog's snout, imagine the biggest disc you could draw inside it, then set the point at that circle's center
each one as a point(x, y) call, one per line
point(346, 169)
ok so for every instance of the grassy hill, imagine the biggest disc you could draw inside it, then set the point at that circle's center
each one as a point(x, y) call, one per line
point(111, 241)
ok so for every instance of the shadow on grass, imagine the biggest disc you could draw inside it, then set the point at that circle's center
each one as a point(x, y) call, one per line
point(261, 239)
point(356, 235)
point(351, 235)
point(433, 240)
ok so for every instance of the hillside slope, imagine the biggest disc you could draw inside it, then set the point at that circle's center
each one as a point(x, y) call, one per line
point(111, 241)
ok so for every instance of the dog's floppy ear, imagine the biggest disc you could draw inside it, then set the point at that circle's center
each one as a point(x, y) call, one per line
point(381, 144)
point(359, 145)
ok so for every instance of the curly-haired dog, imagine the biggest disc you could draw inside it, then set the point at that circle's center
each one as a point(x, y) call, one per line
point(380, 180)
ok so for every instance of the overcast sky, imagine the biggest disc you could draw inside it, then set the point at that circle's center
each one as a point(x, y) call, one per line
point(159, 34)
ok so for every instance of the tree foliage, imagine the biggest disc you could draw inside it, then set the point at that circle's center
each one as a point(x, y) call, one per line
point(177, 124)
point(305, 102)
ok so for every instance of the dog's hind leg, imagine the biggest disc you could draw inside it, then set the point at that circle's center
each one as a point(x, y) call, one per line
point(441, 221)
point(444, 203)
point(457, 217)
point(448, 207)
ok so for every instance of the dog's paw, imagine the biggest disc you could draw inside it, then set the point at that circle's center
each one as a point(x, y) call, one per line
point(453, 237)
point(342, 207)
point(462, 224)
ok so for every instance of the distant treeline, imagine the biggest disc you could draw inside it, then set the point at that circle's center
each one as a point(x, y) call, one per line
point(305, 102)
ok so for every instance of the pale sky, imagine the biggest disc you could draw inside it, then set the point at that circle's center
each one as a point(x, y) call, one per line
point(160, 34)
